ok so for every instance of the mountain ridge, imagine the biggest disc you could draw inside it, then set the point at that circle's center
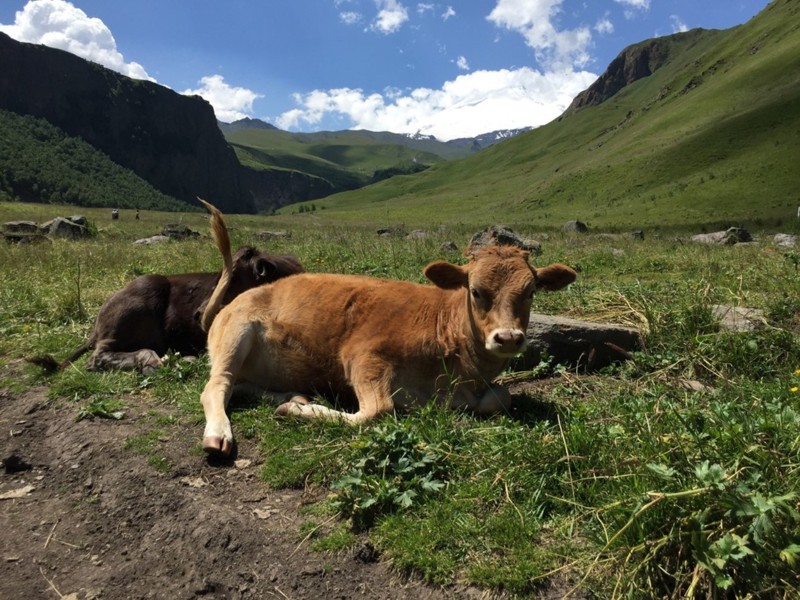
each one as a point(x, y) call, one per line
point(715, 126)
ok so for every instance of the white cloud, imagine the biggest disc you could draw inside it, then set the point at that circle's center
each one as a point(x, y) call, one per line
point(633, 6)
point(637, 4)
point(230, 103)
point(350, 17)
point(604, 26)
point(448, 12)
point(59, 24)
point(471, 104)
point(391, 16)
point(461, 63)
point(677, 24)
point(423, 8)
point(555, 49)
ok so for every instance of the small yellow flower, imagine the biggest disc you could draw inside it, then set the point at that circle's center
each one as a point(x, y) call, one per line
point(794, 389)
point(797, 372)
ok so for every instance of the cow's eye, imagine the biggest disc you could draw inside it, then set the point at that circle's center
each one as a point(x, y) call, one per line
point(475, 293)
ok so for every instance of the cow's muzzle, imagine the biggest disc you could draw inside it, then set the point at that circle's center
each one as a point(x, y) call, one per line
point(506, 342)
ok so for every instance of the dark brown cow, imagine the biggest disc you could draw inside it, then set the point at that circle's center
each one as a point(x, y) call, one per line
point(386, 343)
point(156, 313)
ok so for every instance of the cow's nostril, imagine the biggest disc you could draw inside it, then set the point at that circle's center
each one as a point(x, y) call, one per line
point(509, 337)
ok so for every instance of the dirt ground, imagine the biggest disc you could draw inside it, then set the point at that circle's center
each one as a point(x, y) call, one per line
point(84, 517)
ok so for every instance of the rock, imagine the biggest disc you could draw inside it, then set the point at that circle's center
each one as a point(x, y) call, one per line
point(390, 231)
point(638, 234)
point(64, 228)
point(21, 227)
point(575, 227)
point(448, 247)
point(178, 231)
point(155, 239)
point(579, 343)
point(737, 318)
point(730, 236)
point(784, 240)
point(417, 234)
point(500, 235)
point(79, 220)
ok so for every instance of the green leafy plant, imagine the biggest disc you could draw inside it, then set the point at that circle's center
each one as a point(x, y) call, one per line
point(104, 408)
point(393, 468)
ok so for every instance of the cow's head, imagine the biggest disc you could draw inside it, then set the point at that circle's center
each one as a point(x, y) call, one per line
point(252, 268)
point(500, 285)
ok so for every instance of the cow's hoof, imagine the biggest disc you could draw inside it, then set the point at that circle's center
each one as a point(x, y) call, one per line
point(291, 407)
point(215, 445)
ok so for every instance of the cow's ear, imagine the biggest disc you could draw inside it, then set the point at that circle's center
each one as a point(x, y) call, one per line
point(264, 269)
point(554, 277)
point(446, 275)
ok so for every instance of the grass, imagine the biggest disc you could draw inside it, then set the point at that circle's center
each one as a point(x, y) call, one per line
point(620, 484)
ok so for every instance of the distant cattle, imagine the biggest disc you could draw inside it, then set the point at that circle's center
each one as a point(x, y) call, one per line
point(383, 343)
point(155, 313)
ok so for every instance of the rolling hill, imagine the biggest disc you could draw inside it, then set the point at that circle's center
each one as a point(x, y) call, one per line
point(347, 159)
point(705, 130)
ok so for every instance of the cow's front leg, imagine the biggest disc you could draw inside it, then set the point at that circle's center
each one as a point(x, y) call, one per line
point(370, 380)
point(218, 435)
point(144, 360)
point(493, 400)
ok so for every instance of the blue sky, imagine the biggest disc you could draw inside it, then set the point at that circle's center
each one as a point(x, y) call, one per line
point(449, 69)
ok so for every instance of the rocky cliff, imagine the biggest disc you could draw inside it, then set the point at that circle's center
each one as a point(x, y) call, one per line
point(170, 140)
point(633, 63)
point(272, 188)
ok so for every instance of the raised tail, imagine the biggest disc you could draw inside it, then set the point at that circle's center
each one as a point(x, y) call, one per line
point(223, 241)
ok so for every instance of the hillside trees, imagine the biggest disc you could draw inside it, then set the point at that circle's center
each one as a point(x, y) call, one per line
point(40, 163)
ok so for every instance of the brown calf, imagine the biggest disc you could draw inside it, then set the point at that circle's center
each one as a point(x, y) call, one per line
point(386, 343)
point(155, 313)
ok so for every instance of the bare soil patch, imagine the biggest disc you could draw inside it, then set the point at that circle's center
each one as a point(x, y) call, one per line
point(94, 519)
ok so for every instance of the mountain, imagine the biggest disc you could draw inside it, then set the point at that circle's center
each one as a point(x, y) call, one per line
point(308, 166)
point(171, 141)
point(693, 129)
point(246, 123)
point(453, 149)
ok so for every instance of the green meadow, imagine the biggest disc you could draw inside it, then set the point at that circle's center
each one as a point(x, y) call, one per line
point(623, 483)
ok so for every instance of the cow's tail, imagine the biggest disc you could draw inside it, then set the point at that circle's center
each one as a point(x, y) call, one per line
point(223, 241)
point(50, 365)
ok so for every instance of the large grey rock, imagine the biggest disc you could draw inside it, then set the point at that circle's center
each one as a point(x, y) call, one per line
point(64, 228)
point(21, 227)
point(418, 234)
point(391, 231)
point(154, 239)
point(579, 343)
point(738, 318)
point(784, 240)
point(575, 227)
point(732, 235)
point(178, 231)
